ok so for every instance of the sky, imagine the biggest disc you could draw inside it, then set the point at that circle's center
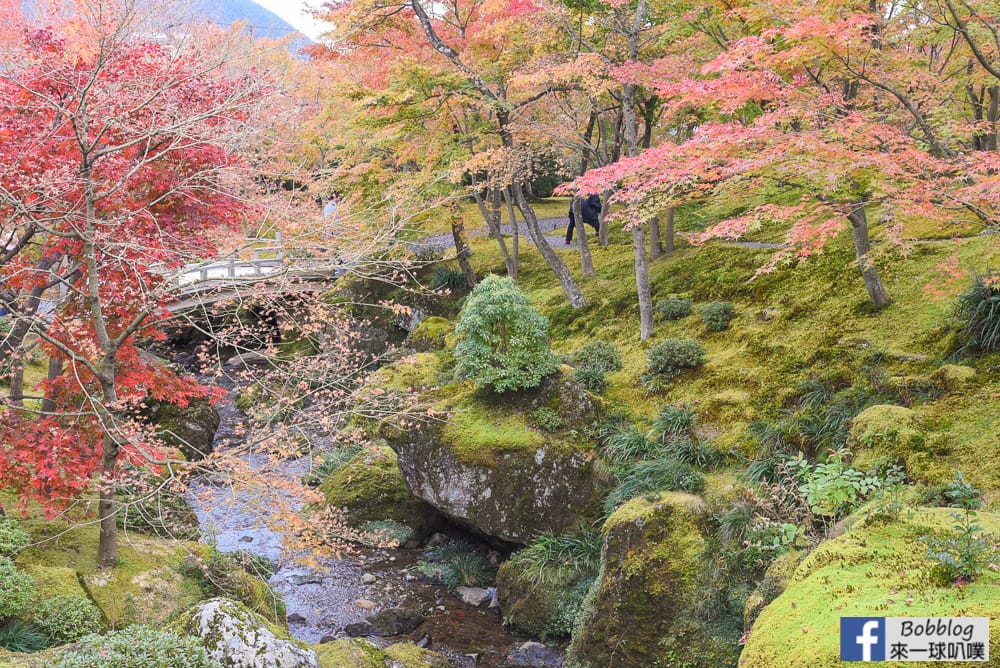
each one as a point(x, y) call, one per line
point(293, 11)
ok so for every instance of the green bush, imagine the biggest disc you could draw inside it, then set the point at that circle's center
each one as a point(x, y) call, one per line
point(673, 423)
point(447, 278)
point(547, 419)
point(717, 316)
point(67, 618)
point(136, 647)
point(503, 342)
point(13, 538)
point(626, 444)
point(978, 309)
point(601, 355)
point(573, 553)
point(668, 357)
point(592, 380)
point(664, 474)
point(388, 531)
point(18, 636)
point(17, 589)
point(673, 309)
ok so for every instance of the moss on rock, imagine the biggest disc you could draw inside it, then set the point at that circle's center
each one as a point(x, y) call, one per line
point(888, 434)
point(951, 377)
point(372, 488)
point(409, 655)
point(486, 467)
point(540, 603)
point(349, 653)
point(431, 334)
point(875, 569)
point(191, 429)
point(640, 611)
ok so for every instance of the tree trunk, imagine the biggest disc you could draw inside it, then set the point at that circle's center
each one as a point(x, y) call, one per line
point(15, 393)
point(655, 246)
point(515, 239)
point(107, 548)
point(55, 370)
point(862, 249)
point(491, 216)
point(602, 219)
point(586, 261)
point(569, 286)
point(670, 229)
point(462, 250)
point(642, 283)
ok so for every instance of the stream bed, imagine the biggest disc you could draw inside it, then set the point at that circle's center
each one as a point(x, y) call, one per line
point(323, 596)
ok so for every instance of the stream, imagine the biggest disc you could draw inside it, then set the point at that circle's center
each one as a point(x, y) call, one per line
point(322, 598)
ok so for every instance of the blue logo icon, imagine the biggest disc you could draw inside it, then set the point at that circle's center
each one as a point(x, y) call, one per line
point(862, 638)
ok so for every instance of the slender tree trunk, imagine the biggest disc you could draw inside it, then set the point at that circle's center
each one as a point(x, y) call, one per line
point(462, 250)
point(586, 261)
point(107, 548)
point(670, 229)
point(515, 239)
point(655, 246)
point(15, 393)
point(55, 370)
point(491, 216)
point(642, 281)
point(862, 249)
point(569, 286)
point(602, 219)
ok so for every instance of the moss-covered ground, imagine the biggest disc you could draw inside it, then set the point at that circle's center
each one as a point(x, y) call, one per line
point(804, 320)
point(876, 569)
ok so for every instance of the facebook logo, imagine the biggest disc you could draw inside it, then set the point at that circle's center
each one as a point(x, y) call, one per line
point(862, 639)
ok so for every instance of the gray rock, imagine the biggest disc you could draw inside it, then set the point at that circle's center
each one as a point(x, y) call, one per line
point(365, 604)
point(295, 618)
point(474, 596)
point(437, 540)
point(534, 655)
point(305, 579)
point(241, 638)
point(368, 578)
point(387, 623)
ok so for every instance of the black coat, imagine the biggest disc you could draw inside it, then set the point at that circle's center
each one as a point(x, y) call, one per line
point(591, 209)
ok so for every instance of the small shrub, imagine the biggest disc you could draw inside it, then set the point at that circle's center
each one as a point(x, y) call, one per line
point(664, 474)
point(717, 316)
point(978, 309)
point(388, 531)
point(547, 419)
point(697, 453)
point(18, 636)
point(592, 380)
point(568, 553)
point(67, 618)
point(455, 564)
point(668, 357)
point(448, 278)
point(963, 553)
point(601, 355)
point(13, 538)
point(17, 589)
point(673, 309)
point(136, 647)
point(503, 342)
point(673, 423)
point(626, 444)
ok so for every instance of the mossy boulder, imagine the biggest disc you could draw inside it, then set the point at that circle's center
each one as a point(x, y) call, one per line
point(641, 610)
point(408, 655)
point(239, 638)
point(484, 464)
point(951, 377)
point(191, 429)
point(349, 653)
point(540, 603)
point(874, 569)
point(371, 487)
point(431, 334)
point(55, 581)
point(893, 434)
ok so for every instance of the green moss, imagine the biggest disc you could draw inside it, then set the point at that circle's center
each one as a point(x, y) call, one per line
point(950, 377)
point(479, 433)
point(642, 608)
point(421, 371)
point(888, 434)
point(431, 333)
point(411, 656)
point(143, 587)
point(349, 653)
point(55, 581)
point(875, 569)
point(372, 488)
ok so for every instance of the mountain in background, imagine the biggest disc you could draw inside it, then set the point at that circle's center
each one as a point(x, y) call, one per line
point(260, 21)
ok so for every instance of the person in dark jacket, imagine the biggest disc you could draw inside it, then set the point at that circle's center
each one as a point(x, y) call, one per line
point(591, 216)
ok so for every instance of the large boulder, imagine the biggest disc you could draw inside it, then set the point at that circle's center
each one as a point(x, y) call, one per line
point(493, 464)
point(877, 568)
point(642, 611)
point(238, 638)
point(191, 429)
point(371, 487)
point(541, 601)
point(357, 653)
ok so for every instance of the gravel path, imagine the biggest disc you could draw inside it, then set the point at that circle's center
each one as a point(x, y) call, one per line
point(440, 242)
